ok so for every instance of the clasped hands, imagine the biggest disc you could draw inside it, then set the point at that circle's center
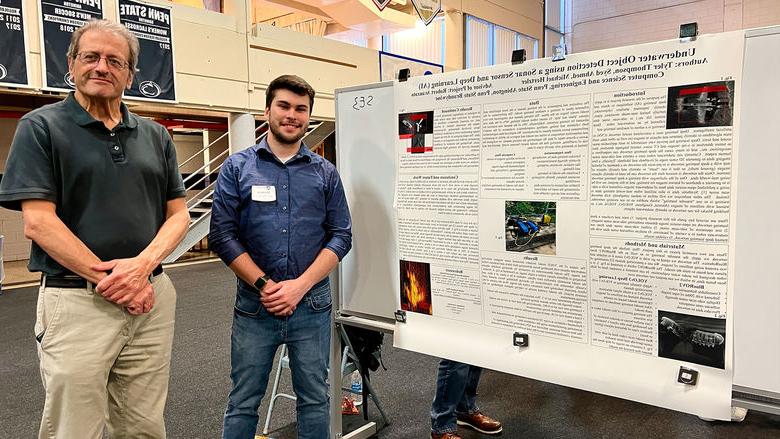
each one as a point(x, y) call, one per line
point(127, 284)
point(281, 298)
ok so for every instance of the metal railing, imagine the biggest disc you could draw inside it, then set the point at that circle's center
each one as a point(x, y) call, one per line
point(204, 195)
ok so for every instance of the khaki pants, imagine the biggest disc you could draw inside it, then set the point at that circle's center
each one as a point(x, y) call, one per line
point(102, 366)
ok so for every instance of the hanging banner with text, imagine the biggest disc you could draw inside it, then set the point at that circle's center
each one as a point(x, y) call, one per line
point(155, 77)
point(427, 9)
point(13, 57)
point(574, 221)
point(59, 19)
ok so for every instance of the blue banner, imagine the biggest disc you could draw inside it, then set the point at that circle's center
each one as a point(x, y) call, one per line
point(155, 75)
point(59, 19)
point(13, 57)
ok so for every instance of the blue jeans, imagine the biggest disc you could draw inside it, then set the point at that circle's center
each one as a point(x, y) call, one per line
point(456, 392)
point(255, 339)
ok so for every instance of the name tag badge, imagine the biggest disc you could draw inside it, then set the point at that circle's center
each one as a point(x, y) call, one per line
point(264, 193)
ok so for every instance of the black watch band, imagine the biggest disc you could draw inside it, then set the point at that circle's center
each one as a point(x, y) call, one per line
point(261, 281)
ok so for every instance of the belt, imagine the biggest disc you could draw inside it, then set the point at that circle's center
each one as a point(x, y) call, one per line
point(73, 281)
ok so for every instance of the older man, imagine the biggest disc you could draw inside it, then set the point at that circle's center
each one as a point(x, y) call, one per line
point(102, 201)
point(280, 221)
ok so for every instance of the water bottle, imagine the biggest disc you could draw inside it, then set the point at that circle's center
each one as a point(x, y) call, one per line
point(357, 388)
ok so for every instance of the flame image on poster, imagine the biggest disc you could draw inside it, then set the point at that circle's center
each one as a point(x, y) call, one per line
point(416, 287)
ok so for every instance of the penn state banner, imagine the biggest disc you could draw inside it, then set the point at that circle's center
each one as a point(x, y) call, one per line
point(59, 19)
point(13, 57)
point(155, 76)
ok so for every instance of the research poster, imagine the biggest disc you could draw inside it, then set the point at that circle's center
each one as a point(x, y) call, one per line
point(13, 59)
point(586, 205)
point(155, 76)
point(59, 19)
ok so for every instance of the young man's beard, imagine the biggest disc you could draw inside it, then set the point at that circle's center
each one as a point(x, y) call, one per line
point(282, 138)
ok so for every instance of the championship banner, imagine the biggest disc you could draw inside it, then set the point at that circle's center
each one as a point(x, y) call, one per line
point(381, 4)
point(155, 76)
point(427, 9)
point(13, 58)
point(59, 19)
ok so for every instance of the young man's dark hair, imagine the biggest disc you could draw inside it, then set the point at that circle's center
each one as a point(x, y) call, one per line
point(295, 84)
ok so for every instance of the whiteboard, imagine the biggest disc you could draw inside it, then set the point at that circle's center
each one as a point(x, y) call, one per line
point(757, 272)
point(365, 132)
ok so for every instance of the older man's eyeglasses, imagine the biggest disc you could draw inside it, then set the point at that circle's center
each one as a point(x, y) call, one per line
point(92, 58)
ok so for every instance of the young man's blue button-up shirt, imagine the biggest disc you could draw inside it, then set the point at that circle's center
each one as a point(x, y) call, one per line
point(285, 234)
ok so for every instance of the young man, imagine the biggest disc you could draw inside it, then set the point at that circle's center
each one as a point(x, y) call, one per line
point(102, 201)
point(280, 221)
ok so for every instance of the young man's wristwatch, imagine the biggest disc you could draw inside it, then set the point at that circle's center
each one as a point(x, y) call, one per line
point(261, 281)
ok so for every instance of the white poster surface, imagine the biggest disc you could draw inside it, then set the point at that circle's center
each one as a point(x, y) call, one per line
point(587, 203)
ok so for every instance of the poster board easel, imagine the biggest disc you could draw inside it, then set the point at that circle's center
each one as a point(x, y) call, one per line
point(757, 304)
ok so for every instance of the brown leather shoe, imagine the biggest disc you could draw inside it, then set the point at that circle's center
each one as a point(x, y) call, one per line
point(445, 436)
point(480, 422)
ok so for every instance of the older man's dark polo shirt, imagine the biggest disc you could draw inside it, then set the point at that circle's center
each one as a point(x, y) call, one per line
point(110, 186)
